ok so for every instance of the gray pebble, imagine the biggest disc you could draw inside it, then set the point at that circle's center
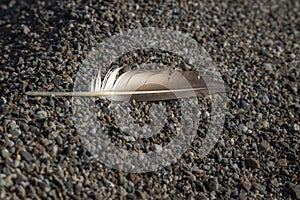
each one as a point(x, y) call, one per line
point(296, 127)
point(157, 148)
point(26, 30)
point(243, 128)
point(15, 132)
point(2, 101)
point(41, 115)
point(265, 99)
point(21, 61)
point(26, 156)
point(5, 153)
point(296, 190)
point(212, 184)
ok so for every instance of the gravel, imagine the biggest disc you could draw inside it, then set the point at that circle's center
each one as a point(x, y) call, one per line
point(255, 46)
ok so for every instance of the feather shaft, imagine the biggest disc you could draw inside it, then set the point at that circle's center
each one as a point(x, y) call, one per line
point(107, 93)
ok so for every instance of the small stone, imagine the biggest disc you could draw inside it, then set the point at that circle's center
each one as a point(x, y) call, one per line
point(265, 146)
point(57, 181)
point(191, 176)
point(268, 66)
point(26, 30)
point(256, 185)
point(212, 184)
point(243, 128)
point(265, 52)
point(246, 183)
point(243, 196)
point(293, 56)
point(12, 125)
point(201, 196)
point(157, 148)
point(206, 114)
point(15, 132)
point(265, 99)
point(285, 172)
point(8, 181)
point(20, 61)
point(236, 176)
point(2, 101)
point(22, 191)
point(296, 127)
point(41, 114)
point(253, 163)
point(141, 194)
point(26, 156)
point(294, 177)
point(265, 124)
point(296, 190)
point(5, 153)
point(282, 162)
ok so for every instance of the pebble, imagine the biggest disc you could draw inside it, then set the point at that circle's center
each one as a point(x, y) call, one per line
point(243, 128)
point(26, 30)
point(191, 176)
point(15, 132)
point(141, 195)
point(268, 66)
point(157, 148)
point(265, 146)
point(282, 162)
point(2, 101)
point(212, 184)
point(41, 115)
point(243, 196)
point(8, 181)
point(5, 153)
point(265, 124)
point(253, 163)
point(265, 99)
point(21, 61)
point(26, 156)
point(296, 190)
point(296, 127)
point(246, 183)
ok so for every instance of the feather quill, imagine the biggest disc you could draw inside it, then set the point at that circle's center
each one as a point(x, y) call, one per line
point(147, 86)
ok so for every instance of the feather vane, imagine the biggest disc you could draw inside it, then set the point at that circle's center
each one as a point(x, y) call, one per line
point(146, 86)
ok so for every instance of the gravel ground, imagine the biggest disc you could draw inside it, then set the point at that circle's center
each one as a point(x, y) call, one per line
point(255, 45)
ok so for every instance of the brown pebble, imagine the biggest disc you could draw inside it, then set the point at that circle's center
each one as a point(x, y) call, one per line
point(243, 196)
point(282, 162)
point(191, 176)
point(265, 146)
point(294, 177)
point(253, 163)
point(265, 124)
point(142, 195)
point(258, 102)
point(246, 183)
point(256, 185)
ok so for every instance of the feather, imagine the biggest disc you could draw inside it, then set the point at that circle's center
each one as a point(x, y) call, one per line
point(147, 86)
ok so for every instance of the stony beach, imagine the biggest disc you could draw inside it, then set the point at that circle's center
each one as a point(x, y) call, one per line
point(255, 47)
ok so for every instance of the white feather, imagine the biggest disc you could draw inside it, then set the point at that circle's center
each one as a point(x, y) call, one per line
point(109, 79)
point(145, 85)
